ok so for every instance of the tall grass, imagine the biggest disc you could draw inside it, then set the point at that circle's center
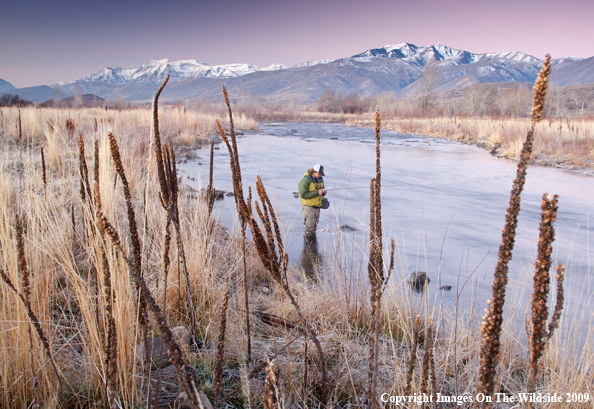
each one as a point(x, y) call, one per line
point(85, 301)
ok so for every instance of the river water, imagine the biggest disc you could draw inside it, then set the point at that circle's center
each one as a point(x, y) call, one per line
point(443, 203)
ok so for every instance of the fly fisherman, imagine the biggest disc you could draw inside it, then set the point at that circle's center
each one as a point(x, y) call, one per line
point(311, 191)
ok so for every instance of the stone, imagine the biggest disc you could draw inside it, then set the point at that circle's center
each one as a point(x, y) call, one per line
point(182, 335)
point(184, 402)
point(445, 287)
point(346, 227)
point(157, 352)
point(418, 280)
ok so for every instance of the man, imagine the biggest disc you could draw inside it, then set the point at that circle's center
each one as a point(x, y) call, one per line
point(311, 191)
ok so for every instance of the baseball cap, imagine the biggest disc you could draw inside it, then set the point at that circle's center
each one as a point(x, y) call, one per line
point(320, 169)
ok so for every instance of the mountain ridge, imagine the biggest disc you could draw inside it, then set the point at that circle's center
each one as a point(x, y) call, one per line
point(392, 68)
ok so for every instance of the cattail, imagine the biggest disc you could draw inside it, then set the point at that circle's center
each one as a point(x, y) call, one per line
point(44, 174)
point(413, 358)
point(493, 320)
point(540, 311)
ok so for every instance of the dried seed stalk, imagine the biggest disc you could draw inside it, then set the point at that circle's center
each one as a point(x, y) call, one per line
point(413, 357)
point(43, 167)
point(187, 373)
point(493, 319)
point(540, 311)
point(221, 346)
point(375, 266)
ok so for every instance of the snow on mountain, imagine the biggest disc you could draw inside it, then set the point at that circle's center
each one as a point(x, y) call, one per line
point(157, 70)
point(312, 63)
point(513, 56)
point(437, 52)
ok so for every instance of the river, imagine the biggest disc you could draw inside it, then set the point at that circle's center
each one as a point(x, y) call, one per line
point(443, 203)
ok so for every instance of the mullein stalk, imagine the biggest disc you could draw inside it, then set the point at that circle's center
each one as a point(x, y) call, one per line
point(221, 346)
point(188, 378)
point(413, 358)
point(540, 311)
point(110, 344)
point(375, 266)
point(241, 210)
point(493, 319)
point(167, 175)
point(43, 167)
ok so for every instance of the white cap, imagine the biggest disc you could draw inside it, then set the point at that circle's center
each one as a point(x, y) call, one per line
point(319, 168)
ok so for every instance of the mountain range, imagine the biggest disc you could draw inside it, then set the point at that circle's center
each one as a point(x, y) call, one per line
point(392, 68)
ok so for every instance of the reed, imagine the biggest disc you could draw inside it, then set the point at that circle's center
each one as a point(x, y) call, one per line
point(492, 321)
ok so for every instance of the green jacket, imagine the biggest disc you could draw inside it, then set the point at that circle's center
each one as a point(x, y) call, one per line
point(308, 190)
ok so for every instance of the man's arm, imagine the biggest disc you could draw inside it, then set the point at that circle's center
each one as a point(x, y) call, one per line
point(304, 189)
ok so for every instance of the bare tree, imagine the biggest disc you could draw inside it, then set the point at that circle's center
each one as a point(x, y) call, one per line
point(430, 79)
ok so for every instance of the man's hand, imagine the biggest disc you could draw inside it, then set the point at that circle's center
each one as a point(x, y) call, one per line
point(321, 192)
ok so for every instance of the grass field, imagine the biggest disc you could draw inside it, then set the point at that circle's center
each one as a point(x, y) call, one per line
point(76, 281)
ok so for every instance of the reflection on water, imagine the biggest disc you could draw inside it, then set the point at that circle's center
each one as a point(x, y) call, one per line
point(310, 257)
point(444, 204)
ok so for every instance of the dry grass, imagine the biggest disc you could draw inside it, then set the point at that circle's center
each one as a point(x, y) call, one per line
point(557, 141)
point(63, 258)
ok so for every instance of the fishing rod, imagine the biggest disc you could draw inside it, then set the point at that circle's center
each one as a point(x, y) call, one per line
point(296, 194)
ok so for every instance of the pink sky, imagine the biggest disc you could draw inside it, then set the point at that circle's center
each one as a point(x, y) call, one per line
point(45, 42)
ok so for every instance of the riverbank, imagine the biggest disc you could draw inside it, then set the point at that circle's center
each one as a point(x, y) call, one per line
point(567, 144)
point(65, 277)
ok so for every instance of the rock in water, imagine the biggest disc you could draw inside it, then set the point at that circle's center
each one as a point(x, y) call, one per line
point(418, 280)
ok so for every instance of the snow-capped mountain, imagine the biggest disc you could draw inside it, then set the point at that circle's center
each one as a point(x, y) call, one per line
point(438, 52)
point(392, 68)
point(157, 70)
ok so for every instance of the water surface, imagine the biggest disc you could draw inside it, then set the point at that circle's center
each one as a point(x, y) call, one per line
point(444, 203)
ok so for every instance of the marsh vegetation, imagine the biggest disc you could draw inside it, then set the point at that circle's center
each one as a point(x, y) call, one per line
point(106, 255)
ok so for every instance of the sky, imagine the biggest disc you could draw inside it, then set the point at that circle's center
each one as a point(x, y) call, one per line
point(43, 42)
